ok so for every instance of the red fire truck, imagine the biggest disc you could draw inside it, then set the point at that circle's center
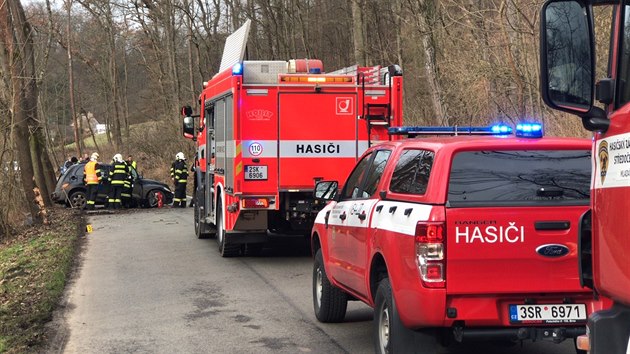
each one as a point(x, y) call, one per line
point(567, 82)
point(268, 130)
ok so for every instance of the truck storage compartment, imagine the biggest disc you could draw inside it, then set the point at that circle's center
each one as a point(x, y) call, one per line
point(317, 137)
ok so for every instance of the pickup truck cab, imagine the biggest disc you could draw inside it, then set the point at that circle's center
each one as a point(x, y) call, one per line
point(457, 238)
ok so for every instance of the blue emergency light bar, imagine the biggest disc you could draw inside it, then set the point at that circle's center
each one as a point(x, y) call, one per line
point(498, 130)
point(237, 69)
point(529, 130)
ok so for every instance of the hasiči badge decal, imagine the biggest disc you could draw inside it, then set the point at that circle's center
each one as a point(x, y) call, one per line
point(602, 151)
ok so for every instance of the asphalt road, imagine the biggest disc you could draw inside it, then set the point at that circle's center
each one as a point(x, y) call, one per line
point(146, 285)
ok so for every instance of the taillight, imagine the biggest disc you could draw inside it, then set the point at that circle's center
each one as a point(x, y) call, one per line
point(430, 253)
point(254, 203)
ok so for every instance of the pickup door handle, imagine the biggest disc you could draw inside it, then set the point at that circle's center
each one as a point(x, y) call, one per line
point(552, 225)
point(362, 216)
point(343, 216)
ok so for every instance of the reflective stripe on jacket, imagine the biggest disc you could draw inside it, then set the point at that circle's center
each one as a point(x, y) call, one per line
point(179, 171)
point(119, 173)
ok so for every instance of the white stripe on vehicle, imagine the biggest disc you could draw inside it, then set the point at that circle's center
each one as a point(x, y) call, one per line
point(396, 220)
point(303, 148)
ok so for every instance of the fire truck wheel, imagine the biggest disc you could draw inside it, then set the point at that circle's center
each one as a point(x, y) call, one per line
point(329, 302)
point(198, 226)
point(390, 335)
point(226, 249)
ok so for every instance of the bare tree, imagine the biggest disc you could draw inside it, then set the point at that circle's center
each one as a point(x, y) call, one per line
point(425, 13)
point(358, 32)
point(18, 60)
point(78, 138)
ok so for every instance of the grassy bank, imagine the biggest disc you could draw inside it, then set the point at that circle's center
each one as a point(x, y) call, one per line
point(34, 267)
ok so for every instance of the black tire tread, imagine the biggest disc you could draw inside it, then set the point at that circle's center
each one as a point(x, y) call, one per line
point(401, 339)
point(198, 225)
point(334, 301)
point(226, 249)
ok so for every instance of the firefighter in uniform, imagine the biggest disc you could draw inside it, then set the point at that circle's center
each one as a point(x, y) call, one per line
point(125, 196)
point(92, 178)
point(179, 174)
point(118, 175)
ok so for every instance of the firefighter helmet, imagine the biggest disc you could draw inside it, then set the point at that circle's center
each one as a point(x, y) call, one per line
point(94, 156)
point(118, 158)
point(180, 156)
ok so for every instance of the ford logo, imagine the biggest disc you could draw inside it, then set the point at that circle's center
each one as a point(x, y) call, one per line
point(552, 250)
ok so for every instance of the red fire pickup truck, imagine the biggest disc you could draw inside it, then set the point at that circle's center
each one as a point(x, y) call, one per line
point(458, 238)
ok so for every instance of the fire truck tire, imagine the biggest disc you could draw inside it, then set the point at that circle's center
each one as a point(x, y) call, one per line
point(225, 248)
point(390, 335)
point(329, 302)
point(198, 225)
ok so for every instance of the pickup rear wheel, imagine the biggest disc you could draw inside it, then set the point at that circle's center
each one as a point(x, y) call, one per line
point(329, 302)
point(391, 336)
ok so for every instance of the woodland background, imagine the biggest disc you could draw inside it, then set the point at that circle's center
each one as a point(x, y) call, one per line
point(134, 63)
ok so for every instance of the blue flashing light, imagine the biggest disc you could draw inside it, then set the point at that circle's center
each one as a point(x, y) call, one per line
point(237, 69)
point(529, 130)
point(498, 129)
point(501, 129)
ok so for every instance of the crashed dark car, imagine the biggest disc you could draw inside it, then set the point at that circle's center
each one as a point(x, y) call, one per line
point(71, 190)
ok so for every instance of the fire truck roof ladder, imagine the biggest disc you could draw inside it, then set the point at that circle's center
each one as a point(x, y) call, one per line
point(376, 114)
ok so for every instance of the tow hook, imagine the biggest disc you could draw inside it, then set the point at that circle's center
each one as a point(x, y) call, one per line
point(458, 333)
point(556, 335)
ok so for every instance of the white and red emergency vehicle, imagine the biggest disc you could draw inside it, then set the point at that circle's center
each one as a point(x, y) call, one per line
point(568, 84)
point(464, 238)
point(269, 130)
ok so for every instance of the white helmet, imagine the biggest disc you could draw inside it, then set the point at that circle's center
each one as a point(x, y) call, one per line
point(94, 156)
point(180, 156)
point(118, 158)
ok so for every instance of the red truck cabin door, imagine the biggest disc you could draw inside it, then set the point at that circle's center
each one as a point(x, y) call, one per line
point(317, 137)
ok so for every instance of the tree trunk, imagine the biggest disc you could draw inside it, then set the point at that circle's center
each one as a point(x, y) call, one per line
point(20, 64)
point(77, 133)
point(358, 32)
point(518, 78)
point(425, 13)
point(191, 75)
point(36, 146)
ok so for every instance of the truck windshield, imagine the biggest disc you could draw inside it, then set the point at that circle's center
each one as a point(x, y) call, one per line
point(520, 178)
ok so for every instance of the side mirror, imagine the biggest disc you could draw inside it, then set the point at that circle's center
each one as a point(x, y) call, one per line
point(325, 190)
point(567, 56)
point(189, 127)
